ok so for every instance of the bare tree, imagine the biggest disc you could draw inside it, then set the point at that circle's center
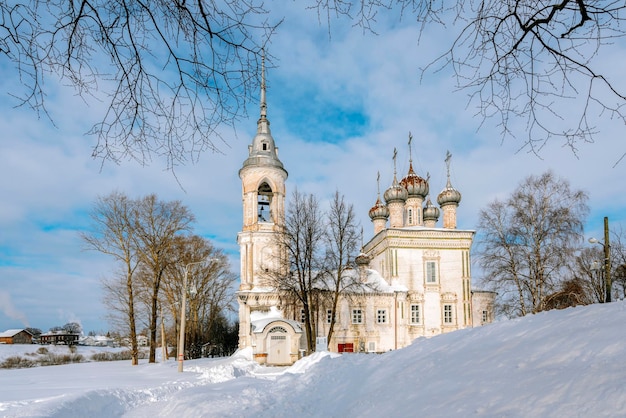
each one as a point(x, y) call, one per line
point(341, 241)
point(210, 283)
point(174, 71)
point(73, 328)
point(587, 272)
point(526, 242)
point(618, 261)
point(298, 267)
point(520, 59)
point(315, 266)
point(112, 234)
point(157, 224)
point(115, 297)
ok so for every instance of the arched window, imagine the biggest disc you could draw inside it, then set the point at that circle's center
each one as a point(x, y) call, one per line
point(410, 216)
point(264, 201)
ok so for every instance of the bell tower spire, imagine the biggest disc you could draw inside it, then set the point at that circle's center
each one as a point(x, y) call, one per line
point(263, 124)
point(263, 194)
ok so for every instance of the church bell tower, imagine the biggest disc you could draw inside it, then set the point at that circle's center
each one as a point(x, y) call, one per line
point(263, 191)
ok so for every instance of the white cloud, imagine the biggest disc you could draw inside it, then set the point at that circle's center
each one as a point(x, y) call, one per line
point(50, 180)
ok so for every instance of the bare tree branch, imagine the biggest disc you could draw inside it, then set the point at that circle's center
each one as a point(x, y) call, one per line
point(172, 73)
point(521, 60)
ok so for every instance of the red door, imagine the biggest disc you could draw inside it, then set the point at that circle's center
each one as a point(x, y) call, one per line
point(346, 348)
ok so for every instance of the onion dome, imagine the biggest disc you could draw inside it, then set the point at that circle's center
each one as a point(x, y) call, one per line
point(449, 195)
point(431, 212)
point(379, 210)
point(396, 193)
point(415, 185)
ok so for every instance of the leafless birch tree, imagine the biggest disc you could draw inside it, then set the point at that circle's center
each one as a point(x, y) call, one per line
point(526, 242)
point(342, 244)
point(112, 234)
point(298, 265)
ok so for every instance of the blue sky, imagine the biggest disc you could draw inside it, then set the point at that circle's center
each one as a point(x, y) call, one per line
point(337, 107)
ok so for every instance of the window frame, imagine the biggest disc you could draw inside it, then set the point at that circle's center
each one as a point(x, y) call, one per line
point(381, 316)
point(419, 314)
point(448, 317)
point(357, 316)
point(431, 272)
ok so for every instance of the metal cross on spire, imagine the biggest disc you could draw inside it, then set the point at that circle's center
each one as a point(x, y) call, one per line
point(395, 155)
point(447, 160)
point(410, 153)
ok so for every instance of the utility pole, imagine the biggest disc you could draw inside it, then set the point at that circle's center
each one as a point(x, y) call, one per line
point(607, 260)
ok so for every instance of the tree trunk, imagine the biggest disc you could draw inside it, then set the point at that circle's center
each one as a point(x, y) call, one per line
point(134, 349)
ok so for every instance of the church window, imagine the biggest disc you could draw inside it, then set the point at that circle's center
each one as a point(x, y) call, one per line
point(410, 216)
point(381, 316)
point(302, 316)
point(485, 316)
point(264, 146)
point(329, 316)
point(264, 200)
point(447, 314)
point(371, 347)
point(431, 272)
point(357, 316)
point(415, 314)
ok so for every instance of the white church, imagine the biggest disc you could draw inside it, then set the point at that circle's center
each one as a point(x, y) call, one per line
point(418, 272)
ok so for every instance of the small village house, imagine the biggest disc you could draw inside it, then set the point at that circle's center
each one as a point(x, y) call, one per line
point(16, 336)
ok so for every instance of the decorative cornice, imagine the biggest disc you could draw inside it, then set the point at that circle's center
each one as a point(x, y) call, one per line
point(421, 238)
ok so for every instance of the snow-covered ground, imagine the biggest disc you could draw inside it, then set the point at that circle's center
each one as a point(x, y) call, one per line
point(569, 363)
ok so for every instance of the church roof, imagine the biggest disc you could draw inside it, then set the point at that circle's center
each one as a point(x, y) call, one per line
point(263, 151)
point(449, 195)
point(12, 332)
point(259, 325)
point(415, 185)
point(377, 283)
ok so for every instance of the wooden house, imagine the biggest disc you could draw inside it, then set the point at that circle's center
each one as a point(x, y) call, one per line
point(16, 336)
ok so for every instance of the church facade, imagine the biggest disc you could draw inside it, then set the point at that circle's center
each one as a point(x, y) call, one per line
point(417, 272)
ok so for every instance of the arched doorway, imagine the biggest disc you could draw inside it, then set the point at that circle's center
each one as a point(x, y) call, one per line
point(278, 346)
